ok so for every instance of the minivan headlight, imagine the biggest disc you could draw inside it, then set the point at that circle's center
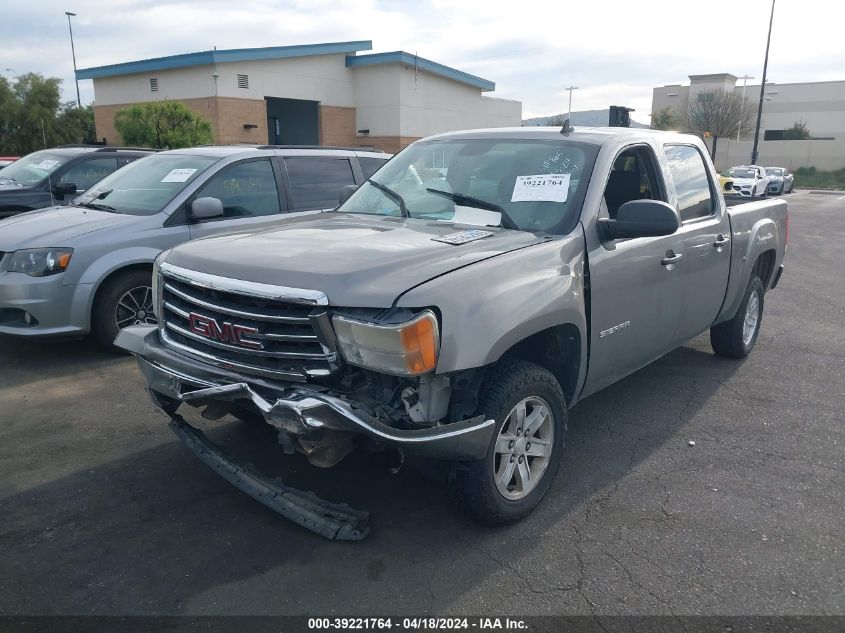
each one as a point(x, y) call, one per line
point(404, 349)
point(39, 262)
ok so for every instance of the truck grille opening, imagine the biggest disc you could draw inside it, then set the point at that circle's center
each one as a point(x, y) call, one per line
point(266, 337)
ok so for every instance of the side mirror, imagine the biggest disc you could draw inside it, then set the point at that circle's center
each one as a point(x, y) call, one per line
point(204, 208)
point(64, 189)
point(641, 218)
point(345, 192)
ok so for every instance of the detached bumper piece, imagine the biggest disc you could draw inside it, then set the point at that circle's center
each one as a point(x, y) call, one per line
point(332, 520)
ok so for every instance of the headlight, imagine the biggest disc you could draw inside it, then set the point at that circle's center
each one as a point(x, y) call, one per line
point(40, 262)
point(404, 349)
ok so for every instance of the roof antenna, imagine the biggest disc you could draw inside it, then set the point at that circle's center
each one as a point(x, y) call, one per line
point(566, 129)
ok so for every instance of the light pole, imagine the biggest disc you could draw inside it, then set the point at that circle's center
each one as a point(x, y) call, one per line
point(73, 53)
point(754, 153)
point(745, 79)
point(569, 116)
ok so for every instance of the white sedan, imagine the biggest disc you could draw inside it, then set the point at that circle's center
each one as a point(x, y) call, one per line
point(750, 181)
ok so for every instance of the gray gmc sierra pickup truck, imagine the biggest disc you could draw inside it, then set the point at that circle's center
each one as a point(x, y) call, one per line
point(456, 305)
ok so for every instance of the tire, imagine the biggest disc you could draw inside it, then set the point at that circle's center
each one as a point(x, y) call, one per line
point(108, 311)
point(731, 339)
point(474, 486)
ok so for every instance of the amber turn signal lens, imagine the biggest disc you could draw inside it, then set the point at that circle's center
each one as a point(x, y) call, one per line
point(419, 340)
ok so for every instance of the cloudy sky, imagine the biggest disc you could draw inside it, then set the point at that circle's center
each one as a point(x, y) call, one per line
point(615, 51)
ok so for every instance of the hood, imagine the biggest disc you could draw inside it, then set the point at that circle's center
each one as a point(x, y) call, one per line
point(356, 260)
point(55, 226)
point(744, 181)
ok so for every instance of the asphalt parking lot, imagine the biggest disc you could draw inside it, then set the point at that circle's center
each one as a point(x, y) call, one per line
point(103, 511)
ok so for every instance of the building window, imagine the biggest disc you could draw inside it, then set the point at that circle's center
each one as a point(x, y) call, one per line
point(706, 96)
point(243, 81)
point(153, 84)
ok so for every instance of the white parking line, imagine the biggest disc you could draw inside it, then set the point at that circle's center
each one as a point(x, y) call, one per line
point(841, 198)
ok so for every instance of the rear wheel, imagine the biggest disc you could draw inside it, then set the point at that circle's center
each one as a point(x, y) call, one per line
point(736, 338)
point(124, 300)
point(526, 448)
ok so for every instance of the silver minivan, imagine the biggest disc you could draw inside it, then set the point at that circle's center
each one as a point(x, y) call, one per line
point(86, 267)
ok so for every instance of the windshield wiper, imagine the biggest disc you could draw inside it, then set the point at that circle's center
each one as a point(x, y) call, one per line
point(98, 207)
point(399, 200)
point(478, 203)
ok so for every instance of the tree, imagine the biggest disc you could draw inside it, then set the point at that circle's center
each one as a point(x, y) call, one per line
point(718, 113)
point(798, 132)
point(665, 119)
point(558, 120)
point(162, 125)
point(32, 116)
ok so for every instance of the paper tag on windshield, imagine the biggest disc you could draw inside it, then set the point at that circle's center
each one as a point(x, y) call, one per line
point(541, 188)
point(178, 175)
point(46, 164)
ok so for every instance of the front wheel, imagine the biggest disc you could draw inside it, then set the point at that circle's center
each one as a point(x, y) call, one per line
point(736, 338)
point(124, 300)
point(525, 452)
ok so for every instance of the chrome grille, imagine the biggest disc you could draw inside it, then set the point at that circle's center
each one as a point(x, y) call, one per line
point(252, 328)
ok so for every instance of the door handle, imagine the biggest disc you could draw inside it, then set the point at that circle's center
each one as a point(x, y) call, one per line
point(671, 258)
point(721, 240)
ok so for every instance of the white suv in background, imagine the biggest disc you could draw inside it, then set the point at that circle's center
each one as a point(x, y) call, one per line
point(750, 181)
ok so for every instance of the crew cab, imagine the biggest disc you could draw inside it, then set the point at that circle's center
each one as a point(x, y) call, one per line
point(56, 176)
point(457, 305)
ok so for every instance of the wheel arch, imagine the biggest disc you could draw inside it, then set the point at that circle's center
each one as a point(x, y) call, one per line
point(558, 349)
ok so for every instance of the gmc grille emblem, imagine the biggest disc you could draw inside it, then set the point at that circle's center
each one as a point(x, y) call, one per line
point(231, 333)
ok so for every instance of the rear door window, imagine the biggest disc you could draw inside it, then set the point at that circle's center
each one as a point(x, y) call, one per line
point(315, 183)
point(369, 166)
point(85, 174)
point(246, 189)
point(692, 185)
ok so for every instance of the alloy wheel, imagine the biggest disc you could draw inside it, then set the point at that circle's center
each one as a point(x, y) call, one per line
point(523, 448)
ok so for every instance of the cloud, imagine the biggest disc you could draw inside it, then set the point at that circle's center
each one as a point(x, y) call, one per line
point(615, 51)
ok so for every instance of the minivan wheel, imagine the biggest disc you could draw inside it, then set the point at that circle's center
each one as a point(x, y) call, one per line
point(526, 448)
point(736, 338)
point(124, 300)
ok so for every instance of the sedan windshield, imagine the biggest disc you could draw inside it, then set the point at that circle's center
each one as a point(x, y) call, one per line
point(32, 169)
point(743, 172)
point(145, 186)
point(523, 184)
point(774, 171)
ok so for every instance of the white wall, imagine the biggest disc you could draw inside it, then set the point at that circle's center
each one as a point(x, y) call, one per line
point(377, 99)
point(824, 155)
point(432, 104)
point(322, 78)
point(180, 83)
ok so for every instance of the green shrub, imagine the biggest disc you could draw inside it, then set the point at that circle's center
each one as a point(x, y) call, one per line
point(162, 125)
point(812, 178)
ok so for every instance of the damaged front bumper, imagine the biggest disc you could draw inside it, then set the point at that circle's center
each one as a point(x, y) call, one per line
point(295, 409)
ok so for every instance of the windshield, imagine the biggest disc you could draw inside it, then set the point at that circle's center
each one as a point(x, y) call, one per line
point(774, 171)
point(146, 186)
point(529, 185)
point(743, 172)
point(32, 169)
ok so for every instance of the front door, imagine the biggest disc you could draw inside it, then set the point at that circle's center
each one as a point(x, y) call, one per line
point(249, 191)
point(706, 233)
point(636, 285)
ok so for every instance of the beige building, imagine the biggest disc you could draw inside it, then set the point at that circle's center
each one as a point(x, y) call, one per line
point(315, 94)
point(821, 105)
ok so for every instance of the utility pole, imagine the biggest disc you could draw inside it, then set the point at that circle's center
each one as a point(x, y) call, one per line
point(745, 79)
point(570, 89)
point(73, 53)
point(754, 152)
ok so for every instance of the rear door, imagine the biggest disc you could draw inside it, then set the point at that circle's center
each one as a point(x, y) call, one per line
point(250, 194)
point(636, 285)
point(314, 183)
point(706, 234)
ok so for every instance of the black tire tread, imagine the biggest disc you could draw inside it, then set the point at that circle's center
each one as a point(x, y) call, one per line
point(726, 337)
point(101, 326)
point(500, 385)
